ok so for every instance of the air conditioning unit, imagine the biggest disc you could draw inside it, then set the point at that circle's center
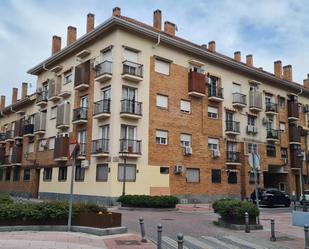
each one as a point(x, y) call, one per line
point(285, 160)
point(187, 150)
point(216, 153)
point(178, 169)
point(84, 163)
point(265, 121)
point(64, 134)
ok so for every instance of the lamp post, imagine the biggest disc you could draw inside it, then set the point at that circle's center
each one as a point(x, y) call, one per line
point(300, 158)
point(124, 156)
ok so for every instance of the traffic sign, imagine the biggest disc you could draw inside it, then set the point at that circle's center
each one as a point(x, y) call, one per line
point(254, 160)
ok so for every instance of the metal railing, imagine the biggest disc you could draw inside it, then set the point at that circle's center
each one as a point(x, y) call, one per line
point(232, 126)
point(28, 129)
point(40, 121)
point(80, 113)
point(82, 149)
point(239, 98)
point(104, 67)
point(130, 146)
point(102, 106)
point(2, 136)
point(54, 87)
point(41, 96)
point(255, 100)
point(272, 134)
point(233, 156)
point(215, 91)
point(131, 106)
point(132, 68)
point(100, 146)
point(9, 134)
point(271, 107)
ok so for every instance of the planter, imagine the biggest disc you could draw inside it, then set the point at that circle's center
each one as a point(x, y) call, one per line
point(239, 221)
point(233, 226)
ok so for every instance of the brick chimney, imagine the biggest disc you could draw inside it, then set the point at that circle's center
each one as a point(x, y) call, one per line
point(14, 95)
point(157, 19)
point(56, 44)
point(249, 60)
point(237, 56)
point(212, 46)
point(24, 90)
point(287, 73)
point(169, 28)
point(306, 82)
point(90, 22)
point(71, 35)
point(116, 11)
point(278, 69)
point(2, 102)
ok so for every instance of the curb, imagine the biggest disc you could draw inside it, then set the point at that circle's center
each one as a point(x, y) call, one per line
point(148, 209)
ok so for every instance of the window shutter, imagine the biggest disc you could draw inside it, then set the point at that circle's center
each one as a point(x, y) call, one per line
point(162, 67)
point(193, 175)
point(130, 55)
point(162, 101)
point(162, 134)
point(185, 105)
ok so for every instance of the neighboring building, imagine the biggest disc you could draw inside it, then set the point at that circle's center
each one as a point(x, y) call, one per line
point(178, 118)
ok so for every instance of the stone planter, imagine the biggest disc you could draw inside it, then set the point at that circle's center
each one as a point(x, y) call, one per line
point(239, 225)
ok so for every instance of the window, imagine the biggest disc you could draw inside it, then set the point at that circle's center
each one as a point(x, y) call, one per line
point(164, 170)
point(162, 101)
point(284, 152)
point(271, 150)
point(8, 174)
point(161, 137)
point(106, 54)
point(68, 77)
point(16, 173)
point(282, 102)
point(212, 112)
point(306, 179)
point(53, 112)
point(282, 126)
point(79, 174)
point(130, 175)
point(42, 145)
point(30, 147)
point(185, 106)
point(26, 174)
point(81, 139)
point(235, 88)
point(62, 173)
point(216, 176)
point(162, 67)
point(251, 120)
point(193, 175)
point(252, 147)
point(102, 172)
point(130, 55)
point(185, 140)
point(213, 143)
point(51, 143)
point(251, 179)
point(47, 174)
point(299, 108)
point(232, 177)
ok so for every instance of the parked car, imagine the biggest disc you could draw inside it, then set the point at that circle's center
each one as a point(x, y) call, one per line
point(271, 197)
point(306, 194)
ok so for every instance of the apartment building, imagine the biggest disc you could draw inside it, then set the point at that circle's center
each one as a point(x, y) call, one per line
point(156, 114)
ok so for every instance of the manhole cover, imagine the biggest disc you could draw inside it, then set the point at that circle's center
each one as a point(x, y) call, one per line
point(284, 238)
point(128, 242)
point(167, 219)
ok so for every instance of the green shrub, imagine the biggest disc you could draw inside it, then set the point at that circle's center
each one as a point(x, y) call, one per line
point(5, 199)
point(148, 201)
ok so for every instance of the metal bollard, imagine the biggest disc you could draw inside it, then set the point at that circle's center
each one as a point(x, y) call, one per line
point(272, 230)
point(180, 240)
point(247, 227)
point(306, 236)
point(141, 223)
point(159, 244)
point(294, 205)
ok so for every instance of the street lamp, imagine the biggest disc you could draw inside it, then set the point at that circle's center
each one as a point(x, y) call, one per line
point(124, 156)
point(300, 158)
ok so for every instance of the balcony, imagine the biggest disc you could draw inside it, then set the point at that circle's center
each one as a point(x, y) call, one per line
point(82, 151)
point(252, 129)
point(63, 116)
point(272, 135)
point(294, 134)
point(132, 71)
point(130, 148)
point(101, 109)
point(17, 155)
point(19, 129)
point(100, 147)
point(196, 81)
point(255, 101)
point(2, 137)
point(80, 115)
point(54, 90)
point(232, 158)
point(239, 100)
point(41, 98)
point(61, 150)
point(82, 76)
point(232, 128)
point(103, 71)
point(215, 93)
point(7, 160)
point(271, 108)
point(131, 109)
point(9, 136)
point(28, 130)
point(40, 123)
point(293, 110)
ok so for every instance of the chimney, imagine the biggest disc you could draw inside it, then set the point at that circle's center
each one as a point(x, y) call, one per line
point(2, 102)
point(306, 82)
point(14, 95)
point(169, 28)
point(157, 20)
point(249, 60)
point(204, 46)
point(278, 69)
point(56, 44)
point(71, 35)
point(24, 90)
point(90, 22)
point(212, 46)
point(287, 73)
point(237, 56)
point(116, 11)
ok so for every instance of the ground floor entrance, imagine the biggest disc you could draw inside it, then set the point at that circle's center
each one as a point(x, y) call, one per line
point(276, 180)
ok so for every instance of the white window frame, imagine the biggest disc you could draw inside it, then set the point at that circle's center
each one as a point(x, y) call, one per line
point(186, 140)
point(162, 101)
point(67, 77)
point(194, 177)
point(214, 114)
point(282, 127)
point(161, 137)
point(185, 106)
point(163, 67)
point(213, 143)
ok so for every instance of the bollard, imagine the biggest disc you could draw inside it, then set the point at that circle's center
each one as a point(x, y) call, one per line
point(294, 205)
point(159, 244)
point(180, 240)
point(141, 223)
point(306, 236)
point(247, 228)
point(272, 230)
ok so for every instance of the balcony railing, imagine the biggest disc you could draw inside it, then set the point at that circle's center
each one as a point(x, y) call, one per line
point(271, 107)
point(100, 146)
point(28, 129)
point(239, 99)
point(41, 96)
point(132, 68)
point(232, 126)
point(294, 134)
point(17, 154)
point(197, 84)
point(293, 110)
point(130, 146)
point(80, 114)
point(131, 107)
point(82, 76)
point(272, 134)
point(63, 115)
point(102, 106)
point(61, 150)
point(9, 134)
point(102, 68)
point(40, 122)
point(2, 136)
point(255, 101)
point(233, 157)
point(82, 149)
point(216, 92)
point(54, 90)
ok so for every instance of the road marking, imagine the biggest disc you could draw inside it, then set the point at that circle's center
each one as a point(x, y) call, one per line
point(244, 242)
point(219, 242)
point(197, 242)
point(171, 242)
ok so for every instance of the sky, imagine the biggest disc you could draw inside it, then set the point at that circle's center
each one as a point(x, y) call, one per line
point(269, 29)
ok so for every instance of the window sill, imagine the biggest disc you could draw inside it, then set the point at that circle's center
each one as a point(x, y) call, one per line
point(101, 180)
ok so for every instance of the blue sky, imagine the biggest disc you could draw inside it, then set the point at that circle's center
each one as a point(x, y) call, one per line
point(268, 29)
